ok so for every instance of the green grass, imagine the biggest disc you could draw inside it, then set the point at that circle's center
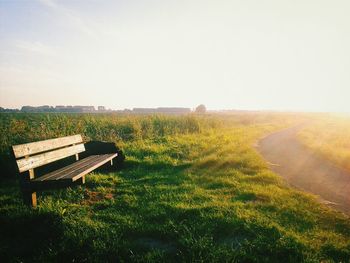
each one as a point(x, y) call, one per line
point(195, 195)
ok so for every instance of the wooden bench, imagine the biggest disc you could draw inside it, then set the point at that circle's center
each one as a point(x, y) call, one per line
point(35, 154)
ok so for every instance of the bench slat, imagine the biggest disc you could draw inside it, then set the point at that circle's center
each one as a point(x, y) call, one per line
point(85, 170)
point(43, 146)
point(65, 170)
point(81, 167)
point(76, 170)
point(48, 157)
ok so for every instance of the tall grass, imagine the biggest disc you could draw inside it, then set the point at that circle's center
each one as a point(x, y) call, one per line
point(20, 128)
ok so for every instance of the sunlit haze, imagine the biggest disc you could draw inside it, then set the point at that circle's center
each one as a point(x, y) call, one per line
point(257, 55)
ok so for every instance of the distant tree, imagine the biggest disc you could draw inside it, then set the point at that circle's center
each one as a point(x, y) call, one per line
point(201, 109)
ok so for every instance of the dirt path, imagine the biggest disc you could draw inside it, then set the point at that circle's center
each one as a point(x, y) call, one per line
point(304, 169)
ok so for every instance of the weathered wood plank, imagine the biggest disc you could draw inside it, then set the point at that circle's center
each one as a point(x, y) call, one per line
point(43, 146)
point(76, 170)
point(81, 167)
point(86, 171)
point(66, 169)
point(48, 157)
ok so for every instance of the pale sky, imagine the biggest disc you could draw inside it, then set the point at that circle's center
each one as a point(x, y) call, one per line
point(226, 54)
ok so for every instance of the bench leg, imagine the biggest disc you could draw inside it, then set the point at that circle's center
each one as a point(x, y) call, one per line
point(112, 162)
point(82, 180)
point(29, 198)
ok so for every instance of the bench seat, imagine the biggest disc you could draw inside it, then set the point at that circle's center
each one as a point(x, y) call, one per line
point(76, 170)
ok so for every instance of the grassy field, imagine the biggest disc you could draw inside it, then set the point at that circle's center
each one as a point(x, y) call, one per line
point(192, 189)
point(329, 136)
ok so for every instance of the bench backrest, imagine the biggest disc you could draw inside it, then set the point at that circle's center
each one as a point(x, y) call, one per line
point(36, 154)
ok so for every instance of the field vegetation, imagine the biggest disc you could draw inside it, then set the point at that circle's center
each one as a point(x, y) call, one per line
point(193, 189)
point(329, 135)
